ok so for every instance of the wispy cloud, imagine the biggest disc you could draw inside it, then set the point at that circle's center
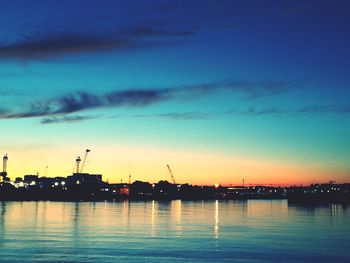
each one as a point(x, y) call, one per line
point(324, 109)
point(66, 119)
point(58, 110)
point(182, 116)
point(251, 111)
point(264, 111)
point(53, 46)
point(80, 101)
point(38, 45)
point(178, 115)
point(305, 110)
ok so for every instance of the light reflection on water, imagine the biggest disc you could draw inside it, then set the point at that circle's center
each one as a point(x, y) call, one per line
point(201, 231)
point(216, 225)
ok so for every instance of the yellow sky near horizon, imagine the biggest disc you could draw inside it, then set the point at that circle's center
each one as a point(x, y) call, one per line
point(149, 164)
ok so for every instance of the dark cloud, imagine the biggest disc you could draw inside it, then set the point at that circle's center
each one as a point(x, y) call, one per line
point(36, 109)
point(55, 108)
point(79, 101)
point(65, 119)
point(37, 45)
point(251, 90)
point(65, 44)
point(55, 114)
point(137, 98)
point(75, 102)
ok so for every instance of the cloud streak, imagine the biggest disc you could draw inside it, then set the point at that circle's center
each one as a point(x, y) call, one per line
point(65, 119)
point(251, 111)
point(54, 46)
point(178, 115)
point(39, 46)
point(265, 111)
point(306, 110)
point(324, 109)
point(57, 110)
point(81, 101)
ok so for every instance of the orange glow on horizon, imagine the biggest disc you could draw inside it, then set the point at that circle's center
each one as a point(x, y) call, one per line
point(149, 164)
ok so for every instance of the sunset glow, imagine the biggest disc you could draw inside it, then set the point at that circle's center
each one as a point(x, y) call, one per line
point(198, 86)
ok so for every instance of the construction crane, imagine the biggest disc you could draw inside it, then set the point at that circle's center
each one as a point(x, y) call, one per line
point(171, 174)
point(77, 164)
point(4, 164)
point(84, 160)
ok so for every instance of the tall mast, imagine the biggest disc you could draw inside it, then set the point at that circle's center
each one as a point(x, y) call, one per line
point(4, 163)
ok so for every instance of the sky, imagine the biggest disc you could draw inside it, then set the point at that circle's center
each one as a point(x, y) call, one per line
point(220, 90)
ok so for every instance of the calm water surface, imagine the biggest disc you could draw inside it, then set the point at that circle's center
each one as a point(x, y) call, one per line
point(177, 231)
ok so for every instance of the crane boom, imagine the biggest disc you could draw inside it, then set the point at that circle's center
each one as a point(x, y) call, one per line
point(171, 174)
point(84, 160)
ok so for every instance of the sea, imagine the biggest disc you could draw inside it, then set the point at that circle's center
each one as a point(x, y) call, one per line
point(173, 231)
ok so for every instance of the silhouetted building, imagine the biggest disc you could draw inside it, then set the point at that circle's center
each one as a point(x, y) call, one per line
point(141, 190)
point(31, 179)
point(84, 179)
point(18, 179)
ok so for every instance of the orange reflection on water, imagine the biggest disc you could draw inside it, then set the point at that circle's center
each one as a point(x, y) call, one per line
point(216, 225)
point(176, 210)
point(153, 218)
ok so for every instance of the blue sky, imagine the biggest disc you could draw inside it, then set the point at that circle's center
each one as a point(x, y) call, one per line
point(260, 80)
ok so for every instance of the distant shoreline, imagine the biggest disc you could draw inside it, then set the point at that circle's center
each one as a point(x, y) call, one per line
point(91, 187)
